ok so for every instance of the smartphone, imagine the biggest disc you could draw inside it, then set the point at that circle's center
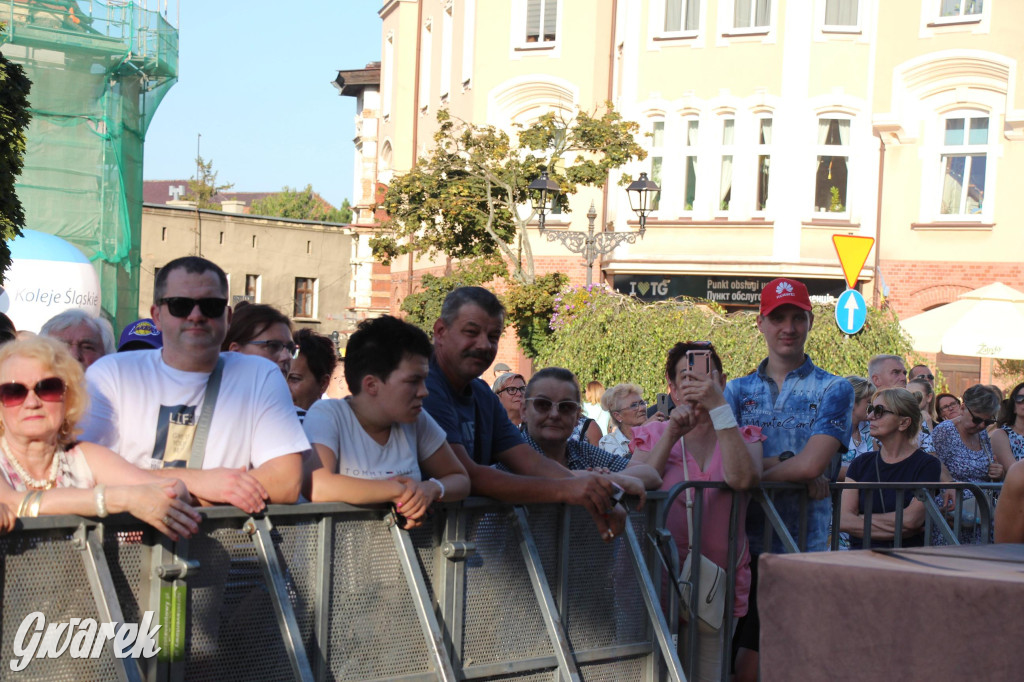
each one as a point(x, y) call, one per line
point(663, 403)
point(699, 362)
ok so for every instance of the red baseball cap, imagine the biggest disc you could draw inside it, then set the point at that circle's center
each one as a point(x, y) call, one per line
point(784, 291)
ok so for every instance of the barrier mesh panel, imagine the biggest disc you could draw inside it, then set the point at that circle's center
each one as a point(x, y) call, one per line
point(234, 633)
point(124, 551)
point(375, 632)
point(620, 670)
point(546, 526)
point(296, 550)
point(502, 621)
point(44, 572)
point(605, 604)
point(545, 676)
point(426, 540)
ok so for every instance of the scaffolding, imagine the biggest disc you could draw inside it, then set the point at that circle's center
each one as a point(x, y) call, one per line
point(99, 71)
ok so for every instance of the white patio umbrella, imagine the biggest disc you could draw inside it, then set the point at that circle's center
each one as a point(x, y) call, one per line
point(984, 323)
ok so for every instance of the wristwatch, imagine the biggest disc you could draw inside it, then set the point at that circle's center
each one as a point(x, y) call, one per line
point(786, 455)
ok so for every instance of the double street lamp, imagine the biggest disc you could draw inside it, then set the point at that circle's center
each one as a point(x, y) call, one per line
point(544, 191)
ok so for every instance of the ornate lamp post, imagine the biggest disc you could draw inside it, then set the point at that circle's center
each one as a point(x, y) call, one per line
point(592, 244)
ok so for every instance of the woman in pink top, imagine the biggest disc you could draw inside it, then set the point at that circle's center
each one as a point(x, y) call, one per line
point(716, 450)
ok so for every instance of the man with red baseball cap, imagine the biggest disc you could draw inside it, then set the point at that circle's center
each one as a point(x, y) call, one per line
point(805, 414)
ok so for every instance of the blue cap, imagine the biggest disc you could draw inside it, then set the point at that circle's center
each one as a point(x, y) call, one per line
point(142, 331)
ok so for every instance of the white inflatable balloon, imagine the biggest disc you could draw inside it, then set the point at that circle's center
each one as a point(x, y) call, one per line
point(48, 275)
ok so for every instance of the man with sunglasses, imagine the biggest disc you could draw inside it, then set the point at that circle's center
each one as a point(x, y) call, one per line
point(921, 372)
point(805, 413)
point(465, 344)
point(148, 405)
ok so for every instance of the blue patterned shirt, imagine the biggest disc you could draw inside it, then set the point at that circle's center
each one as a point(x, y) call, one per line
point(811, 402)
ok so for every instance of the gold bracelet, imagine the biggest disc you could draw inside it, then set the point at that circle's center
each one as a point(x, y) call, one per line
point(21, 507)
point(33, 509)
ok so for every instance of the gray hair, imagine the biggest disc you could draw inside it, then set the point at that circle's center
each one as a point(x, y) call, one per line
point(500, 382)
point(981, 399)
point(76, 316)
point(875, 363)
point(462, 296)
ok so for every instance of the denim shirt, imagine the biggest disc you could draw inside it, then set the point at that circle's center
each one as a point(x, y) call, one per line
point(811, 402)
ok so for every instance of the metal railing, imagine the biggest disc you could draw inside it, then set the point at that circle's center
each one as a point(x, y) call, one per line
point(332, 592)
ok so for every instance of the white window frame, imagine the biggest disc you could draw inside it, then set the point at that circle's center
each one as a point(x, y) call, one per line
point(259, 287)
point(830, 150)
point(730, 14)
point(658, 151)
point(687, 151)
point(659, 9)
point(970, 150)
point(960, 17)
point(446, 51)
point(726, 150)
point(316, 298)
point(856, 27)
point(426, 51)
point(520, 9)
point(760, 150)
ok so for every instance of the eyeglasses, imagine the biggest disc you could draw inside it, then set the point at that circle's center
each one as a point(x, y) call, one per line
point(566, 408)
point(929, 377)
point(182, 306)
point(274, 347)
point(949, 406)
point(1019, 398)
point(51, 390)
point(978, 421)
point(635, 405)
point(878, 411)
point(513, 390)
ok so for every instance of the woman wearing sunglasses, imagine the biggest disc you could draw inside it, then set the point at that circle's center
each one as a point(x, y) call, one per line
point(258, 329)
point(551, 410)
point(44, 471)
point(895, 418)
point(1011, 422)
point(968, 455)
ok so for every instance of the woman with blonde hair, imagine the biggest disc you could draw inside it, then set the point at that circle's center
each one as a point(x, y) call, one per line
point(592, 405)
point(627, 408)
point(44, 470)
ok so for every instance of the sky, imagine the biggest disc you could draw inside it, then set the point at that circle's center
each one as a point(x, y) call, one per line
point(255, 80)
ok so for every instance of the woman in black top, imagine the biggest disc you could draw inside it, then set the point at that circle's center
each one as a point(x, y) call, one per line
point(895, 418)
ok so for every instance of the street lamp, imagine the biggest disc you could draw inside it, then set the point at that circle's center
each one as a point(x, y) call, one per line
point(544, 192)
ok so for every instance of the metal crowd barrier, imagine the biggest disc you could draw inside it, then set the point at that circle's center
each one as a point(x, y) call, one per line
point(333, 592)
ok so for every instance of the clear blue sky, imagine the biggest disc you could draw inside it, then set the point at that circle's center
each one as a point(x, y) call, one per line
point(255, 79)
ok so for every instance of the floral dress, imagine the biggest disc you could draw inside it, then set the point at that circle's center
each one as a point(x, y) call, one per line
point(964, 464)
point(1016, 442)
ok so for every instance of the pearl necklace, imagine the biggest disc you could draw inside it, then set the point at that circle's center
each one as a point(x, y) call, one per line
point(51, 479)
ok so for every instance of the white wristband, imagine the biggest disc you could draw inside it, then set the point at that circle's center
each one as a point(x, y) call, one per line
point(101, 500)
point(722, 417)
point(439, 485)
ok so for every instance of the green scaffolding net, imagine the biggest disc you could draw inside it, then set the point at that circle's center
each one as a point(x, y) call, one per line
point(99, 71)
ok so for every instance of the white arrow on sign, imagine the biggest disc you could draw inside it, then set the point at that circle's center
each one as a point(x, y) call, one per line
point(851, 308)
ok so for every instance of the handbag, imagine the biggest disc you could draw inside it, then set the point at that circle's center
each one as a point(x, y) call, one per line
point(711, 599)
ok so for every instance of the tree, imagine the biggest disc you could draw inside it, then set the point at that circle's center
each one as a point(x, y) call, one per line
point(469, 197)
point(301, 204)
point(203, 188)
point(14, 119)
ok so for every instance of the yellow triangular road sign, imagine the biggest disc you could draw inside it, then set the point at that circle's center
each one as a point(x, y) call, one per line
point(853, 253)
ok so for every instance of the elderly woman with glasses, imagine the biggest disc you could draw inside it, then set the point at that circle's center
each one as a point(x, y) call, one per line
point(43, 470)
point(895, 417)
point(967, 454)
point(947, 406)
point(1011, 423)
point(628, 409)
point(509, 387)
point(551, 409)
point(258, 329)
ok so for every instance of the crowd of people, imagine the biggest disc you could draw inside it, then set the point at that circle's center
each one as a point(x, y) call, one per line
point(204, 405)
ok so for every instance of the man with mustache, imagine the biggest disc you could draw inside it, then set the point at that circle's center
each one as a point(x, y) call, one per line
point(478, 429)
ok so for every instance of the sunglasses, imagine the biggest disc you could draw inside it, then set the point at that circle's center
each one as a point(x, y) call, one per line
point(513, 390)
point(566, 408)
point(978, 421)
point(878, 411)
point(275, 347)
point(182, 306)
point(929, 377)
point(1019, 398)
point(51, 390)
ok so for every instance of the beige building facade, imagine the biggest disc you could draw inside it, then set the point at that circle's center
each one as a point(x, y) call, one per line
point(770, 125)
point(302, 268)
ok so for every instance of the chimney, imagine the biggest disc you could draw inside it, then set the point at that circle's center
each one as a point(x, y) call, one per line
point(232, 206)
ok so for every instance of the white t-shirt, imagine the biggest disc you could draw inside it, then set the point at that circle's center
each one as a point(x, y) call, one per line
point(147, 411)
point(332, 423)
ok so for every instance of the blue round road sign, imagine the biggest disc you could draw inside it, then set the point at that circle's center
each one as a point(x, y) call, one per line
point(851, 311)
